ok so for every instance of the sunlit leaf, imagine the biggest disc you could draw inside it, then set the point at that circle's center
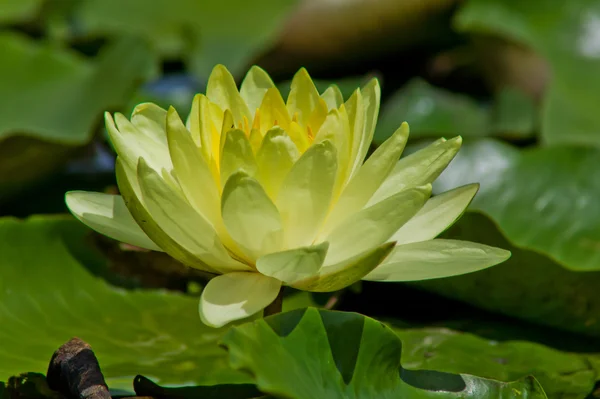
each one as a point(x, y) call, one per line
point(346, 355)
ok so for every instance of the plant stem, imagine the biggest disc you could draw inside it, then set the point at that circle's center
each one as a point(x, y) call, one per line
point(276, 305)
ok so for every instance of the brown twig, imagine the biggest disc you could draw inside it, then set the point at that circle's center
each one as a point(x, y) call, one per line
point(74, 371)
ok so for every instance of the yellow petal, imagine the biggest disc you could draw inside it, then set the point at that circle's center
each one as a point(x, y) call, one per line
point(303, 97)
point(375, 225)
point(193, 173)
point(132, 143)
point(237, 155)
point(336, 130)
point(371, 95)
point(293, 265)
point(235, 296)
point(273, 111)
point(421, 167)
point(368, 179)
point(253, 88)
point(274, 159)
point(131, 193)
point(436, 259)
point(298, 136)
point(439, 213)
point(346, 272)
point(182, 223)
point(108, 215)
point(356, 117)
point(305, 194)
point(333, 97)
point(250, 217)
point(221, 90)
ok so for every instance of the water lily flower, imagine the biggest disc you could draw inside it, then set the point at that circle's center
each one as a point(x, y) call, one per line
point(266, 193)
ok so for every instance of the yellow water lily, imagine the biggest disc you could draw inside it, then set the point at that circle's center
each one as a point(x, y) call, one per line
point(266, 193)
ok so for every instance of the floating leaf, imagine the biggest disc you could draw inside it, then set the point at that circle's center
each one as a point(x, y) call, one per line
point(529, 285)
point(431, 111)
point(563, 375)
point(51, 101)
point(566, 34)
point(323, 354)
point(12, 11)
point(48, 296)
point(204, 33)
point(542, 199)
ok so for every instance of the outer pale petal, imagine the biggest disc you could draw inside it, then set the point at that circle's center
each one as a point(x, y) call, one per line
point(237, 155)
point(132, 143)
point(235, 296)
point(204, 122)
point(373, 226)
point(435, 259)
point(356, 117)
point(368, 179)
point(437, 215)
point(128, 185)
point(250, 217)
point(275, 158)
point(371, 96)
point(305, 194)
point(108, 215)
point(421, 167)
point(293, 265)
point(193, 173)
point(253, 88)
point(346, 272)
point(333, 97)
point(149, 119)
point(182, 223)
point(221, 90)
point(303, 97)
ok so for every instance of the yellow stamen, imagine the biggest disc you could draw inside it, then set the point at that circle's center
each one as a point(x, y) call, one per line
point(256, 123)
point(246, 126)
point(309, 132)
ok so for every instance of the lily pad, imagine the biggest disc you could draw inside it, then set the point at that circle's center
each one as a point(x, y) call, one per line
point(542, 199)
point(52, 100)
point(323, 354)
point(563, 375)
point(203, 33)
point(529, 285)
point(48, 296)
point(566, 35)
point(431, 111)
point(12, 11)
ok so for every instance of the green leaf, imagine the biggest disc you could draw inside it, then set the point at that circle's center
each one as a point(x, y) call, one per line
point(513, 114)
point(563, 375)
point(542, 198)
point(12, 11)
point(48, 296)
point(204, 33)
point(323, 354)
point(431, 111)
point(52, 101)
point(565, 34)
point(529, 285)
